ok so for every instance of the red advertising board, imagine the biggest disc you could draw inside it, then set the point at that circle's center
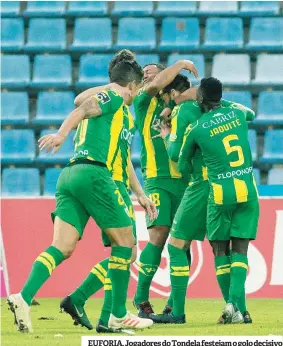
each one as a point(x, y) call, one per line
point(27, 231)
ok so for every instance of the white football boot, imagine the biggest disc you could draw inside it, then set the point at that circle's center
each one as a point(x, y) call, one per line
point(232, 315)
point(21, 311)
point(130, 321)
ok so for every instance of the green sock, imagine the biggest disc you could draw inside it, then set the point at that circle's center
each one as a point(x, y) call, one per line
point(222, 268)
point(148, 264)
point(93, 283)
point(107, 303)
point(41, 270)
point(239, 268)
point(242, 304)
point(179, 275)
point(119, 274)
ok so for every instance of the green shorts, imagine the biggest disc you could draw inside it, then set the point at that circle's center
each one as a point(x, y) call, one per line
point(166, 194)
point(127, 199)
point(233, 220)
point(84, 191)
point(190, 220)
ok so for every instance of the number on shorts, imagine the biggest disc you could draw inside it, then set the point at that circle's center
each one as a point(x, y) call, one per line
point(230, 149)
point(131, 212)
point(120, 198)
point(155, 198)
point(82, 127)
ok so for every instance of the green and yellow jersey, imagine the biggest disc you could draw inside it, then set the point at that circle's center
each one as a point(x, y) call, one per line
point(222, 136)
point(155, 162)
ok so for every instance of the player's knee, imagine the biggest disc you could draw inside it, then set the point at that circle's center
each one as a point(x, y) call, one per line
point(240, 246)
point(158, 235)
point(66, 249)
point(220, 247)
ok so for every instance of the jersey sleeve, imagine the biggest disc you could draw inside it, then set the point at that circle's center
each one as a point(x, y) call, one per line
point(250, 114)
point(142, 100)
point(187, 150)
point(109, 101)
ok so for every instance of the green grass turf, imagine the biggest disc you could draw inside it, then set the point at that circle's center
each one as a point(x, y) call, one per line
point(201, 318)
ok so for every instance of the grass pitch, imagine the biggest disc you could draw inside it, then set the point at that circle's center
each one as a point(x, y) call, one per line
point(201, 317)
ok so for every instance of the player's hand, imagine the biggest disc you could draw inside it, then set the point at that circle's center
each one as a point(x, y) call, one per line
point(123, 91)
point(165, 114)
point(163, 129)
point(148, 206)
point(190, 66)
point(52, 141)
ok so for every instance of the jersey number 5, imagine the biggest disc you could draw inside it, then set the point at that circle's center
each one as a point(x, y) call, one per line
point(230, 149)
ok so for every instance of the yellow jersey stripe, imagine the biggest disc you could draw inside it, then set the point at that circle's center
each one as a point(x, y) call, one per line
point(117, 167)
point(117, 266)
point(241, 190)
point(151, 169)
point(204, 173)
point(46, 263)
point(50, 259)
point(101, 269)
point(173, 132)
point(95, 272)
point(223, 271)
point(218, 193)
point(173, 169)
point(119, 260)
point(127, 172)
point(239, 264)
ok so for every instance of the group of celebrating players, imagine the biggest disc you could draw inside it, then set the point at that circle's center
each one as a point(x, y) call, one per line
point(198, 181)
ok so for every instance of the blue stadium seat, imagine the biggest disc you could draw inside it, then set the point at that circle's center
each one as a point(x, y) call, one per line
point(12, 34)
point(269, 70)
point(259, 8)
point(20, 182)
point(46, 35)
point(62, 156)
point(50, 181)
point(93, 70)
point(45, 9)
point(144, 59)
point(270, 190)
point(257, 175)
point(197, 59)
point(12, 75)
point(253, 144)
point(266, 34)
point(136, 149)
point(14, 108)
point(53, 107)
point(242, 97)
point(233, 69)
point(179, 34)
point(132, 8)
point(273, 147)
point(10, 8)
point(139, 175)
point(175, 8)
point(224, 33)
point(87, 8)
point(132, 110)
point(218, 7)
point(18, 146)
point(136, 33)
point(52, 71)
point(275, 176)
point(270, 108)
point(92, 34)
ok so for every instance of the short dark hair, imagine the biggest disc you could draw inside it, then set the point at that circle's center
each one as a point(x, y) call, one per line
point(159, 66)
point(211, 90)
point(179, 83)
point(123, 68)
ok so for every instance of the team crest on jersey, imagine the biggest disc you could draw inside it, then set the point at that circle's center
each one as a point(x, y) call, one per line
point(103, 97)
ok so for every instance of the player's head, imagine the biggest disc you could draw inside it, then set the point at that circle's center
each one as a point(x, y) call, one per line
point(209, 93)
point(176, 87)
point(150, 71)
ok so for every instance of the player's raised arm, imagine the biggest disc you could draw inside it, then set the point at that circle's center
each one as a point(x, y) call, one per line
point(250, 114)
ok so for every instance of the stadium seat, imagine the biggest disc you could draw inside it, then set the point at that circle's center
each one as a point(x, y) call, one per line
point(144, 59)
point(46, 35)
point(50, 181)
point(93, 70)
point(19, 182)
point(87, 8)
point(179, 34)
point(139, 175)
point(14, 108)
point(175, 8)
point(253, 144)
point(266, 34)
point(136, 33)
point(275, 176)
point(198, 60)
point(233, 69)
point(270, 190)
point(12, 34)
point(273, 147)
point(53, 107)
point(13, 76)
point(63, 156)
point(136, 149)
point(18, 146)
point(51, 71)
point(242, 97)
point(270, 108)
point(269, 70)
point(45, 9)
point(259, 8)
point(10, 8)
point(92, 34)
point(257, 175)
point(218, 7)
point(224, 33)
point(132, 8)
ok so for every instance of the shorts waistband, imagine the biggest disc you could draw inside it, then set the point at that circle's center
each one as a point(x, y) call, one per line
point(86, 162)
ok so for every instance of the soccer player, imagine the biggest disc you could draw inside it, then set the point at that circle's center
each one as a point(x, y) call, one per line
point(221, 134)
point(86, 189)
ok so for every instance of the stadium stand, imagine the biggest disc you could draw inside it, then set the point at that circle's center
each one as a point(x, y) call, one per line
point(12, 34)
point(45, 9)
point(26, 182)
point(259, 8)
point(139, 175)
point(198, 60)
point(136, 149)
point(14, 108)
point(10, 8)
point(130, 8)
point(218, 7)
point(87, 8)
point(145, 59)
point(275, 176)
point(270, 108)
point(253, 144)
point(269, 70)
point(273, 147)
point(12, 76)
point(180, 33)
point(175, 8)
point(50, 180)
point(243, 97)
point(257, 175)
